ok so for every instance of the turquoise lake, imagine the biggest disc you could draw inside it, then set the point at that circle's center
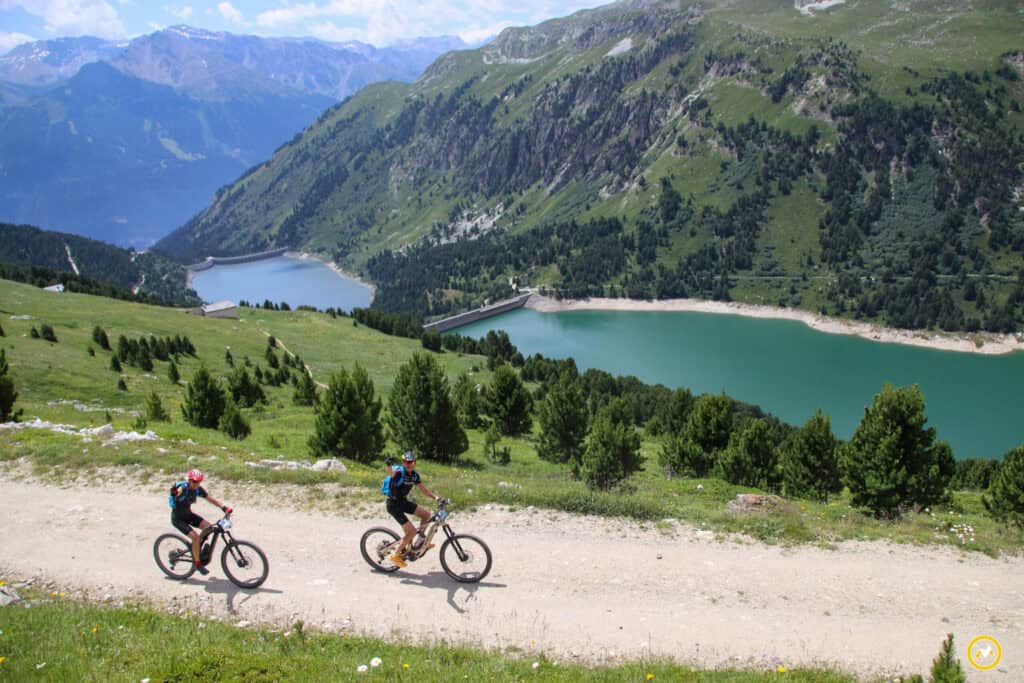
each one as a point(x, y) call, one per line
point(785, 367)
point(297, 281)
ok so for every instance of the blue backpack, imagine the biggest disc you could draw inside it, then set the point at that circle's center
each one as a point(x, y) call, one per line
point(170, 498)
point(385, 486)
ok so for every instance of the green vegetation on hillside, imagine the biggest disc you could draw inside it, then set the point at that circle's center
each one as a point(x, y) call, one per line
point(42, 257)
point(741, 151)
point(71, 386)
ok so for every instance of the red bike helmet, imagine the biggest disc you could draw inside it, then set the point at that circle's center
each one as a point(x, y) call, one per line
point(195, 475)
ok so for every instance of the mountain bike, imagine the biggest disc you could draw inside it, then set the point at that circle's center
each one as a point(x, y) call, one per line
point(243, 562)
point(465, 558)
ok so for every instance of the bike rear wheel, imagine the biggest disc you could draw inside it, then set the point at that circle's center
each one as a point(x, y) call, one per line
point(465, 558)
point(173, 554)
point(376, 545)
point(245, 564)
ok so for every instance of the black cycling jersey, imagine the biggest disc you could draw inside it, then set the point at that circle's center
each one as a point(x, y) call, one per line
point(402, 483)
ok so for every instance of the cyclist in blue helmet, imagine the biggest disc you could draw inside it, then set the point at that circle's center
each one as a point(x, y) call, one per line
point(403, 479)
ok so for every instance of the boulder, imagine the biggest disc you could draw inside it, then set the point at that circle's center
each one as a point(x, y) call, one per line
point(8, 596)
point(746, 503)
point(329, 465)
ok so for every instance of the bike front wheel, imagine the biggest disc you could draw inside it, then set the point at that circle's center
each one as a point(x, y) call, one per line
point(244, 564)
point(465, 558)
point(377, 545)
point(173, 554)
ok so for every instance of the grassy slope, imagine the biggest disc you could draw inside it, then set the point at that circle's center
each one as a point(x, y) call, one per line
point(59, 639)
point(46, 372)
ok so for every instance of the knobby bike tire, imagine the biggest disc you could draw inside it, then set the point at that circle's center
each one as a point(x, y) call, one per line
point(372, 555)
point(235, 553)
point(474, 548)
point(173, 554)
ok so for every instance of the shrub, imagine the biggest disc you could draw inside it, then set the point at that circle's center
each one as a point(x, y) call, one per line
point(7, 393)
point(563, 422)
point(810, 468)
point(115, 364)
point(33, 333)
point(47, 333)
point(498, 456)
point(172, 372)
point(613, 448)
point(99, 335)
point(2, 333)
point(431, 340)
point(121, 385)
point(893, 461)
point(233, 423)
point(680, 456)
point(228, 358)
point(420, 411)
point(155, 409)
point(1005, 499)
point(974, 474)
point(508, 403)
point(204, 400)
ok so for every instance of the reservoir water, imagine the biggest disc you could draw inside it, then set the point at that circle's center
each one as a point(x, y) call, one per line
point(297, 281)
point(784, 366)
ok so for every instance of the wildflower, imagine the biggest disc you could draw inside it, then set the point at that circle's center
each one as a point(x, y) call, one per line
point(781, 669)
point(362, 668)
point(40, 665)
point(144, 680)
point(536, 665)
point(3, 659)
point(375, 662)
point(405, 666)
point(649, 677)
point(95, 629)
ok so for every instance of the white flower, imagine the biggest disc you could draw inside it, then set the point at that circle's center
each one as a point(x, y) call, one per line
point(144, 680)
point(40, 666)
point(375, 662)
point(536, 665)
point(362, 668)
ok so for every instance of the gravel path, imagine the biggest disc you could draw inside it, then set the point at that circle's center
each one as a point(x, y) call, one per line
point(575, 588)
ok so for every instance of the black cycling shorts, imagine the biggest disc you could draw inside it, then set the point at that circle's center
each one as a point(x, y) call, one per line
point(399, 507)
point(184, 522)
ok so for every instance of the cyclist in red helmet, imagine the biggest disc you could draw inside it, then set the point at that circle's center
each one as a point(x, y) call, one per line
point(183, 494)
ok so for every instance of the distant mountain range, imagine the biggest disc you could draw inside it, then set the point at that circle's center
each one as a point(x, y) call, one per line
point(125, 141)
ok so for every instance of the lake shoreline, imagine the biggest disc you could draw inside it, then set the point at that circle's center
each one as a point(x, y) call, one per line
point(303, 255)
point(982, 342)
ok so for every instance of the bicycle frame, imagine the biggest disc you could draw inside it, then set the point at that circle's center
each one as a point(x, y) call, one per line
point(216, 530)
point(437, 520)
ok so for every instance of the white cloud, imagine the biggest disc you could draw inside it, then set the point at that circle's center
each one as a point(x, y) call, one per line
point(382, 22)
point(71, 17)
point(228, 11)
point(9, 41)
point(183, 13)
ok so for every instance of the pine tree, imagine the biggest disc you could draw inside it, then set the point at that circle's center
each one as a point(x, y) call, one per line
point(946, 667)
point(233, 423)
point(99, 336)
point(47, 333)
point(204, 400)
point(563, 422)
point(244, 391)
point(347, 418)
point(305, 390)
point(613, 447)
point(155, 409)
point(7, 393)
point(172, 373)
point(810, 468)
point(467, 401)
point(121, 385)
point(1005, 499)
point(420, 411)
point(508, 403)
point(115, 364)
point(893, 460)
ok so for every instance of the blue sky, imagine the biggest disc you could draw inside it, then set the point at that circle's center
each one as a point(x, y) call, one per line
point(379, 22)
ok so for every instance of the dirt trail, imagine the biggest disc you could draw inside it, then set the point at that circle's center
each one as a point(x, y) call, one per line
point(572, 587)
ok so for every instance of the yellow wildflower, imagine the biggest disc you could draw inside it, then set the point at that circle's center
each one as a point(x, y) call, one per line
point(3, 659)
point(781, 669)
point(95, 629)
point(405, 666)
point(650, 677)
